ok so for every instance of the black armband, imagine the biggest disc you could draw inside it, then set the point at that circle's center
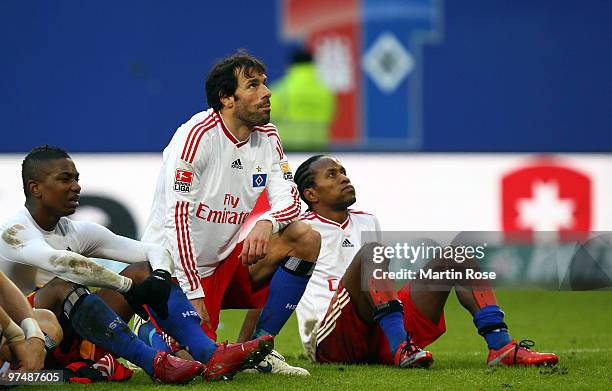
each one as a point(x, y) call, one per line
point(298, 267)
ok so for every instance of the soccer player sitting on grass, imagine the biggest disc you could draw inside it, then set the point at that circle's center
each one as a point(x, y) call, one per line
point(24, 348)
point(41, 235)
point(214, 170)
point(339, 321)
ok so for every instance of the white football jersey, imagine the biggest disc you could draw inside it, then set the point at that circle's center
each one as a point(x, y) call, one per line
point(63, 251)
point(208, 185)
point(339, 244)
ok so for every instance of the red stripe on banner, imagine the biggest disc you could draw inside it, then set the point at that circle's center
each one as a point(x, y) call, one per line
point(192, 263)
point(177, 224)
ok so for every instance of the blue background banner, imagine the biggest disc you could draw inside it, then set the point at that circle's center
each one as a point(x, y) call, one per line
point(122, 76)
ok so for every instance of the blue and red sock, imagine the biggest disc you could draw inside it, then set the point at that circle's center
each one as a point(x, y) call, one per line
point(392, 325)
point(95, 321)
point(183, 324)
point(149, 335)
point(489, 321)
point(286, 289)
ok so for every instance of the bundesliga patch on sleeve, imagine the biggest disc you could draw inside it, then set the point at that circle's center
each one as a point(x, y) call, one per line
point(287, 174)
point(182, 181)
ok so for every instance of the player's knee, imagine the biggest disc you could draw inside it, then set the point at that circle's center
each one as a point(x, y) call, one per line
point(305, 241)
point(138, 272)
point(48, 324)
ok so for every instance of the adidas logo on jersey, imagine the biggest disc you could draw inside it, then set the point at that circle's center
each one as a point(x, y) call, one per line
point(347, 243)
point(237, 164)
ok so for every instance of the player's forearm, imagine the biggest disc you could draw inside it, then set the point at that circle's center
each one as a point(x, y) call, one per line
point(85, 271)
point(277, 224)
point(9, 329)
point(13, 301)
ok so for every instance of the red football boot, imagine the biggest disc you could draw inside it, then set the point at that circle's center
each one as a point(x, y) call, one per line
point(231, 358)
point(173, 370)
point(520, 354)
point(409, 355)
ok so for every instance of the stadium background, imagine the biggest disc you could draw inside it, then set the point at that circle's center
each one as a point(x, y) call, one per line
point(489, 90)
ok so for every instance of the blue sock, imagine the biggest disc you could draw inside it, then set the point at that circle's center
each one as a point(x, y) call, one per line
point(286, 290)
point(151, 337)
point(93, 320)
point(488, 317)
point(392, 325)
point(183, 324)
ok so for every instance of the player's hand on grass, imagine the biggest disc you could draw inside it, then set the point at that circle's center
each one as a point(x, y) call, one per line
point(200, 307)
point(255, 245)
point(154, 292)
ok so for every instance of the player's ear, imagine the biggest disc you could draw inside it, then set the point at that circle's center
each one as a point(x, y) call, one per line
point(226, 101)
point(34, 188)
point(311, 195)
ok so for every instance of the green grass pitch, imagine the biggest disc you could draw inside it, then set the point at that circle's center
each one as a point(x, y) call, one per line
point(575, 325)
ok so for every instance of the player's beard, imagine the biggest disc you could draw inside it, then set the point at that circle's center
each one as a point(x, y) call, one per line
point(252, 118)
point(346, 203)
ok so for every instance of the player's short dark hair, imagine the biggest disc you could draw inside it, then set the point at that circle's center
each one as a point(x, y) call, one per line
point(222, 79)
point(304, 176)
point(31, 165)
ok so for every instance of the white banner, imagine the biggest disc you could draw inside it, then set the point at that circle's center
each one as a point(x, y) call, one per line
point(426, 192)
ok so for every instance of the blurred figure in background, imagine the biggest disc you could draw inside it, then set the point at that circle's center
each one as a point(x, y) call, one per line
point(303, 107)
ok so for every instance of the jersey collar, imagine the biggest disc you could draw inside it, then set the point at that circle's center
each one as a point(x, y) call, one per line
point(229, 134)
point(312, 215)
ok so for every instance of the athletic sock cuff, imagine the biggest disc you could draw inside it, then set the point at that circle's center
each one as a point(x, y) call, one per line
point(298, 267)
